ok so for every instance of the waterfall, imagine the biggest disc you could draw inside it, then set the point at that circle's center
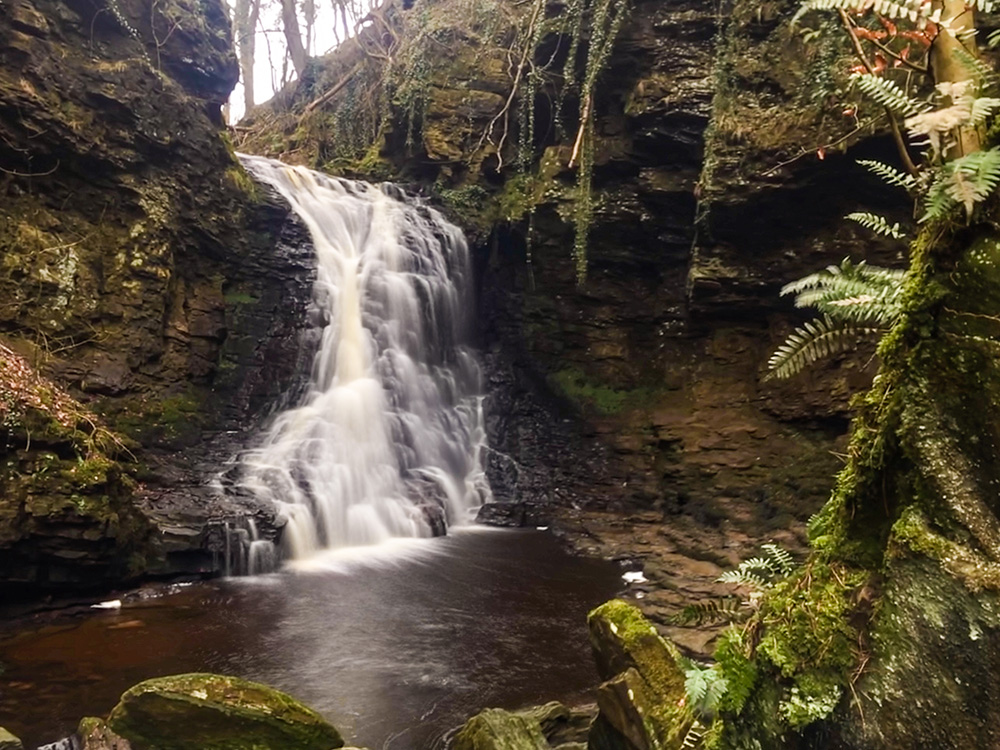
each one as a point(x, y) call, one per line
point(387, 440)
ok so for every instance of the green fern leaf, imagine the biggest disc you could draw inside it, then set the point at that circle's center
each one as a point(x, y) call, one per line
point(877, 224)
point(743, 578)
point(965, 181)
point(781, 558)
point(823, 337)
point(888, 93)
point(722, 609)
point(974, 65)
point(912, 10)
point(889, 174)
point(693, 737)
point(982, 109)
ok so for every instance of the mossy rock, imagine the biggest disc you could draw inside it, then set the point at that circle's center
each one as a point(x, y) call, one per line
point(94, 734)
point(215, 712)
point(643, 695)
point(9, 741)
point(496, 729)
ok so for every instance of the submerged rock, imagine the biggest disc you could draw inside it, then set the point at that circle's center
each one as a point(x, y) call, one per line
point(9, 741)
point(215, 712)
point(642, 699)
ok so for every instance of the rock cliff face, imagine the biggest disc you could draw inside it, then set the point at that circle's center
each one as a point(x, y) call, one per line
point(641, 388)
point(137, 272)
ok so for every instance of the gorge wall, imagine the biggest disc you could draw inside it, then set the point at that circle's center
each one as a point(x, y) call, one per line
point(140, 290)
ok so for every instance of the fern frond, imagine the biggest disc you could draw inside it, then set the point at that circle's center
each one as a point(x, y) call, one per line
point(974, 65)
point(781, 558)
point(912, 10)
point(982, 109)
point(863, 308)
point(744, 578)
point(815, 340)
point(877, 224)
point(985, 6)
point(965, 181)
point(889, 94)
point(693, 736)
point(890, 175)
point(849, 292)
point(723, 609)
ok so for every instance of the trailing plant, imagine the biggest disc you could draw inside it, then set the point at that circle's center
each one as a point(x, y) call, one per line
point(857, 302)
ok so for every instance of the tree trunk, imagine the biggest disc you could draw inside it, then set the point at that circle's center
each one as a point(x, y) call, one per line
point(247, 12)
point(293, 38)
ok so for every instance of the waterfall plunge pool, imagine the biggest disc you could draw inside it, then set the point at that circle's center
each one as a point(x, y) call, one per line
point(395, 648)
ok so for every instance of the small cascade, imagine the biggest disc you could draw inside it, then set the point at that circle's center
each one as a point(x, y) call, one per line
point(245, 552)
point(388, 440)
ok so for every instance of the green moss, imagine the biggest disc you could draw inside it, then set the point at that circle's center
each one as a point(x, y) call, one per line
point(216, 712)
point(806, 621)
point(240, 298)
point(575, 385)
point(739, 671)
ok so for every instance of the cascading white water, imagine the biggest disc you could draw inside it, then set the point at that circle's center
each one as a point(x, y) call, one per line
point(387, 441)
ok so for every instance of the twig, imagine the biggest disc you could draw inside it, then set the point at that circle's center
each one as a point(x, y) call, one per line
point(584, 118)
point(504, 113)
point(31, 174)
point(807, 152)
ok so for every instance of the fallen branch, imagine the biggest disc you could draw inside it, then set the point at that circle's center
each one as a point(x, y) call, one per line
point(326, 97)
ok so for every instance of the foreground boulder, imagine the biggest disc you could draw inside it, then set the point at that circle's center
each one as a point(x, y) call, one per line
point(642, 701)
point(496, 729)
point(552, 725)
point(214, 712)
point(9, 741)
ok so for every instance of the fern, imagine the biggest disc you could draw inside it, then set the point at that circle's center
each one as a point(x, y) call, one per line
point(815, 340)
point(693, 737)
point(982, 109)
point(744, 578)
point(890, 175)
point(894, 9)
point(705, 687)
point(723, 609)
point(889, 94)
point(974, 65)
point(761, 572)
point(966, 181)
point(877, 224)
point(781, 558)
point(857, 301)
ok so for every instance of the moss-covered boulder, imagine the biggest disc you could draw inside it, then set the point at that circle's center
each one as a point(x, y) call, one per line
point(642, 699)
point(215, 712)
point(496, 729)
point(9, 741)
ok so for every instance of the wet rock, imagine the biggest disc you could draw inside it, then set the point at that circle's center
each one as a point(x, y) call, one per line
point(514, 515)
point(641, 701)
point(496, 729)
point(94, 734)
point(215, 712)
point(8, 741)
point(562, 726)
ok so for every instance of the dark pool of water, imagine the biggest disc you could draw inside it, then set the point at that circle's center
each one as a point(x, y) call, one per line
point(394, 649)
